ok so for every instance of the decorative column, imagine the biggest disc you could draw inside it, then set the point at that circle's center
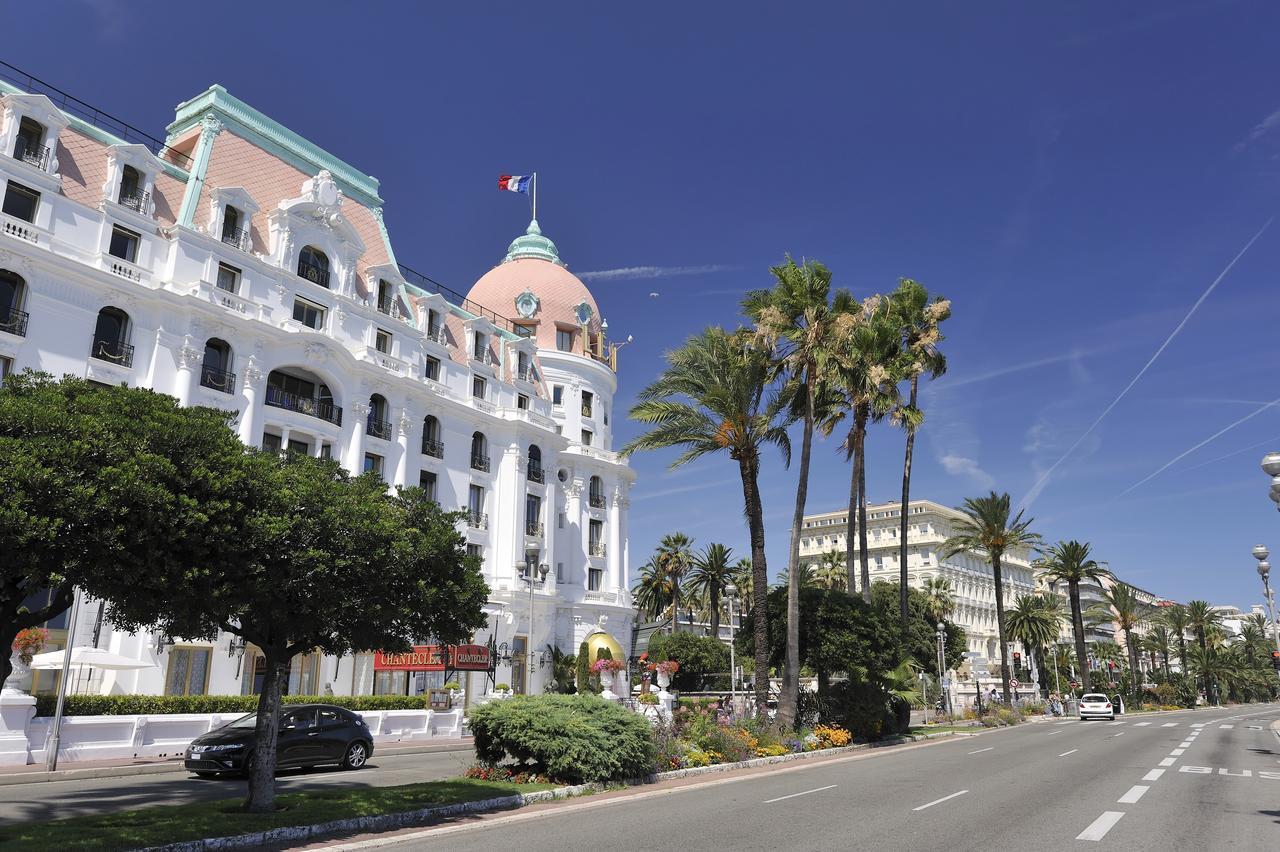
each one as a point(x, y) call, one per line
point(576, 552)
point(615, 540)
point(188, 359)
point(250, 421)
point(404, 440)
point(355, 448)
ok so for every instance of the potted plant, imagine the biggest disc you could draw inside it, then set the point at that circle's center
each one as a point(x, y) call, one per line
point(26, 644)
point(607, 669)
point(501, 690)
point(665, 670)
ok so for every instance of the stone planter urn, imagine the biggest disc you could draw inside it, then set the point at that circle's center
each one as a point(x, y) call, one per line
point(606, 685)
point(664, 680)
point(19, 681)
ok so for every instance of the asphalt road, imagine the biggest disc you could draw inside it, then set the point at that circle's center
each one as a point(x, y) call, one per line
point(52, 799)
point(1170, 781)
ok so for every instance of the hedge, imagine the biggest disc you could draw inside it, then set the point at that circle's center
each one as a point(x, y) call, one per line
point(570, 738)
point(136, 705)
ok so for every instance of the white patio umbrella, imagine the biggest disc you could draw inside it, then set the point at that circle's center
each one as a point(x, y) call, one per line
point(86, 657)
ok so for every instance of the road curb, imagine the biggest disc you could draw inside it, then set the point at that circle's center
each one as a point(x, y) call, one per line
point(174, 767)
point(427, 816)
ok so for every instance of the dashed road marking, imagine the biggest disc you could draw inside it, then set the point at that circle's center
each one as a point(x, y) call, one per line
point(1099, 827)
point(1169, 725)
point(981, 750)
point(1113, 736)
point(1177, 752)
point(1113, 724)
point(1168, 761)
point(1051, 733)
point(1135, 793)
point(1068, 722)
point(940, 801)
point(1199, 724)
point(793, 795)
point(1255, 727)
point(1153, 775)
point(1225, 727)
point(1141, 724)
point(1065, 753)
point(1184, 745)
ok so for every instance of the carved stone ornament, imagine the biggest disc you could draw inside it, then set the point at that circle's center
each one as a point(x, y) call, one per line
point(189, 356)
point(316, 352)
point(527, 304)
point(253, 377)
point(361, 409)
point(583, 312)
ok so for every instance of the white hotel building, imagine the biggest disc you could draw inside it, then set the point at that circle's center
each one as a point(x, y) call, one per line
point(928, 526)
point(238, 265)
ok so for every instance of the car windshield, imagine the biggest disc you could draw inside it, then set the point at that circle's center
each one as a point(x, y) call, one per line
point(1094, 697)
point(247, 721)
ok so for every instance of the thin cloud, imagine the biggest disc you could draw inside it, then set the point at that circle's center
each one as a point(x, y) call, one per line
point(1067, 357)
point(1044, 477)
point(626, 273)
point(684, 489)
point(1261, 129)
point(962, 466)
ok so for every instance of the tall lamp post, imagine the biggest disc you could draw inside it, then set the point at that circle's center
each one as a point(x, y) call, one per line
point(532, 569)
point(942, 668)
point(731, 592)
point(1261, 553)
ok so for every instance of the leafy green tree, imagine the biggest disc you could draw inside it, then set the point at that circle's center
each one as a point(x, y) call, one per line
point(1069, 562)
point(701, 659)
point(1035, 621)
point(1129, 613)
point(1159, 641)
point(716, 396)
point(918, 318)
point(710, 574)
point(321, 561)
point(920, 641)
point(672, 558)
point(807, 574)
point(1203, 619)
point(796, 322)
point(990, 530)
point(102, 487)
point(1175, 618)
point(563, 668)
point(940, 598)
point(831, 572)
point(651, 591)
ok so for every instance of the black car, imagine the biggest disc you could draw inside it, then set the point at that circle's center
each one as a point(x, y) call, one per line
point(310, 735)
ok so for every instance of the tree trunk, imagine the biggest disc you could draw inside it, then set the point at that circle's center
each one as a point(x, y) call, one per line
point(851, 527)
point(1135, 673)
point(902, 520)
point(1077, 627)
point(715, 610)
point(860, 466)
point(1164, 654)
point(262, 775)
point(1004, 650)
point(787, 705)
point(749, 469)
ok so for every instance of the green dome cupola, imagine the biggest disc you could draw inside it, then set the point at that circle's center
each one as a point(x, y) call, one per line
point(533, 244)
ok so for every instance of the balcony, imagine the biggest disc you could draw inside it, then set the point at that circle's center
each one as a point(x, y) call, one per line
point(314, 274)
point(236, 237)
point(137, 201)
point(322, 409)
point(596, 501)
point(528, 375)
point(596, 548)
point(586, 411)
point(535, 472)
point(435, 449)
point(378, 428)
point(112, 351)
point(15, 323)
point(534, 529)
point(38, 157)
point(477, 520)
point(385, 305)
point(479, 462)
point(437, 335)
point(219, 380)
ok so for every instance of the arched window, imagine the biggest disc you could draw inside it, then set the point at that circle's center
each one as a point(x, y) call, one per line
point(215, 372)
point(313, 265)
point(111, 337)
point(535, 463)
point(131, 192)
point(379, 422)
point(302, 393)
point(13, 292)
point(596, 492)
point(479, 452)
point(431, 443)
point(30, 145)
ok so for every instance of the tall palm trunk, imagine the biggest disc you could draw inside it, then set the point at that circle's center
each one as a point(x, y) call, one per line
point(858, 503)
point(1077, 627)
point(1164, 653)
point(1182, 651)
point(715, 610)
point(1004, 649)
point(787, 705)
point(749, 469)
point(902, 520)
point(1135, 674)
point(262, 782)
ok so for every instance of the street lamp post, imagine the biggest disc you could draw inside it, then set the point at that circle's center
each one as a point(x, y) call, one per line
point(942, 668)
point(1261, 553)
point(532, 568)
point(730, 592)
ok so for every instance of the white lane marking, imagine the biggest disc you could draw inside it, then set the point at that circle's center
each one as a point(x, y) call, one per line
point(1065, 753)
point(1199, 724)
point(1051, 733)
point(1134, 794)
point(1169, 725)
point(1225, 727)
point(1255, 727)
point(1187, 744)
point(1113, 724)
point(1113, 736)
point(1099, 827)
point(1141, 724)
point(981, 750)
point(1168, 761)
point(1153, 775)
point(1177, 752)
point(805, 793)
point(940, 801)
point(1068, 722)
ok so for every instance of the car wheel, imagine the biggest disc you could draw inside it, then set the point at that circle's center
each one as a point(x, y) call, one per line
point(356, 757)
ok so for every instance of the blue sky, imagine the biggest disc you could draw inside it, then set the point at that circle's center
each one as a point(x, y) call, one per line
point(1073, 180)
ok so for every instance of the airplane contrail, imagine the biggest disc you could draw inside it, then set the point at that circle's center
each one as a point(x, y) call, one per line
point(1044, 477)
point(1183, 455)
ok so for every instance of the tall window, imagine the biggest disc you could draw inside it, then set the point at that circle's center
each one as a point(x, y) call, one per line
point(431, 443)
point(475, 504)
point(124, 244)
point(228, 277)
point(588, 403)
point(595, 537)
point(557, 394)
point(427, 482)
point(431, 368)
point(479, 452)
point(12, 295)
point(524, 372)
point(481, 346)
point(382, 341)
point(384, 297)
point(215, 371)
point(478, 386)
point(373, 463)
point(30, 143)
point(111, 337)
point(564, 340)
point(232, 229)
point(313, 265)
point(20, 202)
point(188, 671)
point(433, 326)
point(309, 314)
point(586, 437)
point(379, 421)
point(535, 463)
point(532, 514)
point(130, 188)
point(596, 493)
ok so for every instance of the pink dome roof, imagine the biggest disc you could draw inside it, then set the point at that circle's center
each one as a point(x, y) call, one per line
point(532, 266)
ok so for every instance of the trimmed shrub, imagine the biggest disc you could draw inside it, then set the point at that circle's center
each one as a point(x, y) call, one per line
point(570, 738)
point(137, 705)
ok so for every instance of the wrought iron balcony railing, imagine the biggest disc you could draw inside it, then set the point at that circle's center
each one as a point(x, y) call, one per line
point(323, 409)
point(596, 548)
point(597, 501)
point(38, 157)
point(437, 335)
point(586, 411)
point(314, 274)
point(378, 428)
point(534, 529)
point(219, 380)
point(527, 374)
point(238, 237)
point(477, 520)
point(136, 200)
point(15, 323)
point(479, 462)
point(433, 448)
point(535, 472)
point(114, 351)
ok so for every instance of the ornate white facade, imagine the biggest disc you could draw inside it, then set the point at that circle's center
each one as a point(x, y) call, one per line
point(240, 266)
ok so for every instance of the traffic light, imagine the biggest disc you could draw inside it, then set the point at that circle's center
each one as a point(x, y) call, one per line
point(1275, 660)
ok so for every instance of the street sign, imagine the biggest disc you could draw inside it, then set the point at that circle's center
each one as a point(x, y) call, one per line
point(1013, 684)
point(1075, 685)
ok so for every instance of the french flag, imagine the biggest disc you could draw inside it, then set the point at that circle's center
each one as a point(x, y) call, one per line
point(515, 183)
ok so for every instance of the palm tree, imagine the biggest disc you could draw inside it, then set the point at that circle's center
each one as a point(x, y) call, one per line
point(918, 319)
point(1106, 651)
point(1159, 641)
point(709, 576)
point(714, 396)
point(794, 320)
point(939, 599)
point(1203, 619)
point(988, 529)
point(673, 557)
point(866, 363)
point(1129, 613)
point(1068, 562)
point(1035, 621)
point(1214, 666)
point(808, 574)
point(1175, 618)
point(741, 574)
point(831, 572)
point(650, 592)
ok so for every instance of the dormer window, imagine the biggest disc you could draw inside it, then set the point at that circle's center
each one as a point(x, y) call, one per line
point(30, 147)
point(385, 297)
point(524, 369)
point(481, 345)
point(233, 230)
point(132, 195)
point(564, 339)
point(313, 265)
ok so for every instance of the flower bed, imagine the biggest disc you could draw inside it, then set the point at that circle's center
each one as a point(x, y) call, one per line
point(700, 736)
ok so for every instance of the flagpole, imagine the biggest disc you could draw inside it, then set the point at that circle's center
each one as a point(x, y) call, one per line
point(535, 196)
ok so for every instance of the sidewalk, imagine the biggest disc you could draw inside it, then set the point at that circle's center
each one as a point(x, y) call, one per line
point(85, 769)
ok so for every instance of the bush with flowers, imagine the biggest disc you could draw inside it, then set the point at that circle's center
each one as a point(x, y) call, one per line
point(603, 665)
point(667, 667)
point(29, 642)
point(771, 751)
point(482, 772)
point(831, 736)
point(649, 699)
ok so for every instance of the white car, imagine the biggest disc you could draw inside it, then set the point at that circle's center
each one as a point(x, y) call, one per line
point(1095, 705)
